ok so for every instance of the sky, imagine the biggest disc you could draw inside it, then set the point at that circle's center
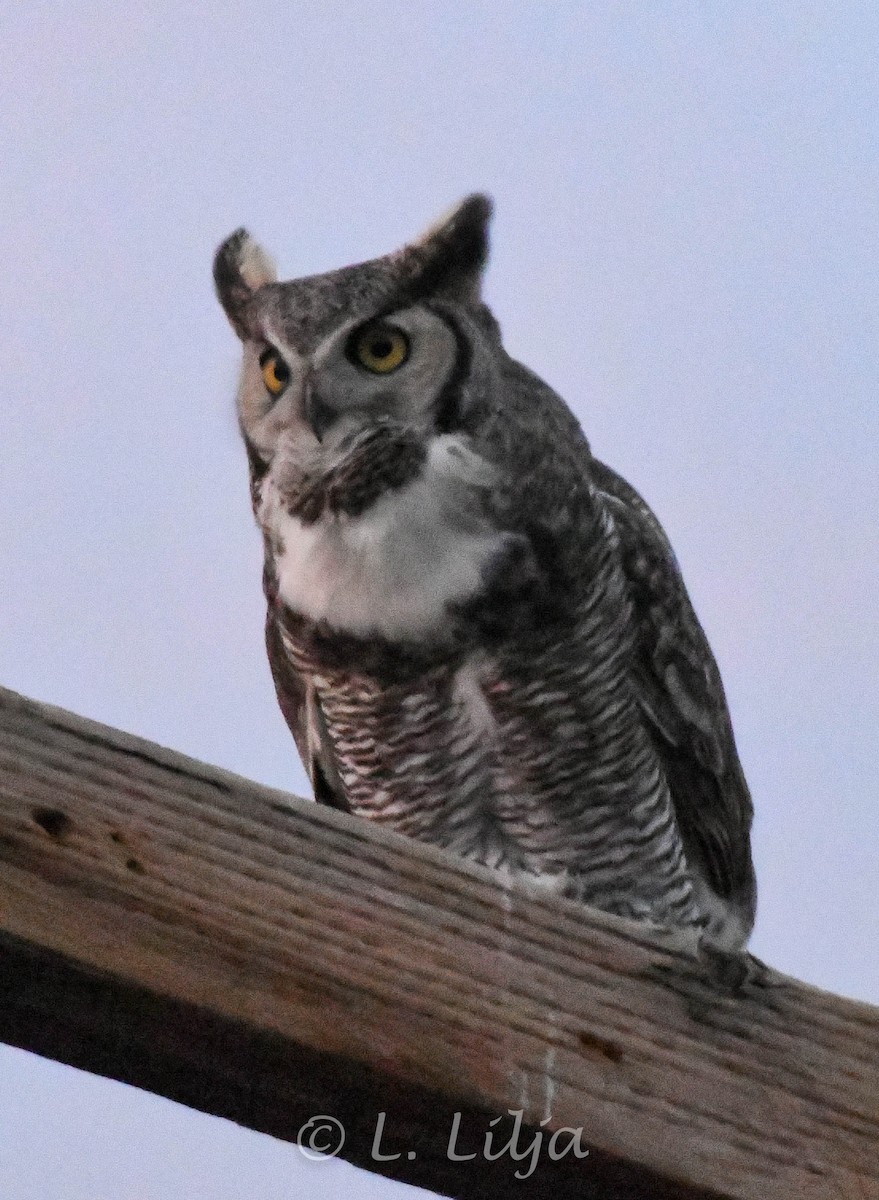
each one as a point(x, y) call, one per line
point(685, 246)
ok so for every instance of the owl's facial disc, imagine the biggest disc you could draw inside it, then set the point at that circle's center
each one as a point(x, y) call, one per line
point(345, 413)
point(389, 368)
point(378, 348)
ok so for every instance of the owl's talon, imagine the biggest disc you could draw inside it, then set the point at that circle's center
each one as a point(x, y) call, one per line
point(736, 970)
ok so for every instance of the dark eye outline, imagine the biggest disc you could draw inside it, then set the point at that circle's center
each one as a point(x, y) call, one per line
point(282, 376)
point(376, 330)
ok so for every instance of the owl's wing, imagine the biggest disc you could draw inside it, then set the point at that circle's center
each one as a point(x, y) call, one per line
point(681, 695)
point(301, 709)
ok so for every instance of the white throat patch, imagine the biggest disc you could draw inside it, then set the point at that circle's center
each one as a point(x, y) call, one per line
point(392, 570)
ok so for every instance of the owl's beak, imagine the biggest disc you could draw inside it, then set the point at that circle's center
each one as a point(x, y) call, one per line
point(318, 413)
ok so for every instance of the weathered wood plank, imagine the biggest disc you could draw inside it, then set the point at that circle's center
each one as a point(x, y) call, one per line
point(255, 956)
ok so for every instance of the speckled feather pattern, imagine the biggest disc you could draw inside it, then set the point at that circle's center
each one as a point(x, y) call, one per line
point(564, 720)
point(383, 460)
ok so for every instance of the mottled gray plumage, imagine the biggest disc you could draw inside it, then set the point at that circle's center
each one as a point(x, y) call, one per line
point(478, 633)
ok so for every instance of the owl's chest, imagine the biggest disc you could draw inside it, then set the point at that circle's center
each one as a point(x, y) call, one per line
point(417, 754)
point(512, 770)
point(483, 755)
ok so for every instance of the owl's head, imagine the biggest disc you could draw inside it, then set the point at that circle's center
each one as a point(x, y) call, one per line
point(395, 342)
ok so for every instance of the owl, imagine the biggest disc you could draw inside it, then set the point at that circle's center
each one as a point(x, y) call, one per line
point(478, 632)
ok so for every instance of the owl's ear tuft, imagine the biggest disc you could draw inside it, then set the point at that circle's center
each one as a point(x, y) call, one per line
point(454, 251)
point(240, 267)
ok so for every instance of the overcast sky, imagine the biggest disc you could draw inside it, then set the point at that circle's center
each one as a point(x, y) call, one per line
point(685, 246)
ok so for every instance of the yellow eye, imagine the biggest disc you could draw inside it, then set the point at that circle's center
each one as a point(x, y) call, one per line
point(275, 372)
point(380, 348)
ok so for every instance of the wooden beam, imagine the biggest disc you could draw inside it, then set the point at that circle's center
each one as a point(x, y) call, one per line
point(255, 956)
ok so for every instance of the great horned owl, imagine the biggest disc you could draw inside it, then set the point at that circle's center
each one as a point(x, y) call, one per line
point(478, 633)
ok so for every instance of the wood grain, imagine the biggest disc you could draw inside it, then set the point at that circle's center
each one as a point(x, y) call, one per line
point(258, 957)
